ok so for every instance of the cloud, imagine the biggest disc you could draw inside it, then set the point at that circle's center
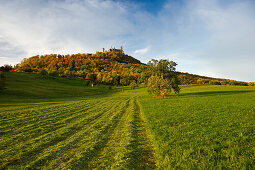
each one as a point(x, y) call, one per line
point(213, 38)
point(230, 49)
point(63, 26)
point(142, 51)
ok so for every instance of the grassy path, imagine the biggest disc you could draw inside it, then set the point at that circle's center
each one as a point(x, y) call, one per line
point(98, 133)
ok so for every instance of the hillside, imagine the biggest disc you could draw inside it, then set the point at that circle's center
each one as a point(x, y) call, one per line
point(188, 78)
point(108, 67)
point(24, 88)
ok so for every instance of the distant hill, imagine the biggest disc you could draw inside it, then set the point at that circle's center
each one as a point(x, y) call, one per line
point(108, 67)
point(187, 78)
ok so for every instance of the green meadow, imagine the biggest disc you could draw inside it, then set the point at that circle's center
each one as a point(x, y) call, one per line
point(58, 123)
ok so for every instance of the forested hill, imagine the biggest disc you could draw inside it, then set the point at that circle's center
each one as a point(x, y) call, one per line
point(106, 67)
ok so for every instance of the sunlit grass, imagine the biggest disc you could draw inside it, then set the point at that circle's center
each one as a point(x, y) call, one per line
point(60, 123)
point(204, 127)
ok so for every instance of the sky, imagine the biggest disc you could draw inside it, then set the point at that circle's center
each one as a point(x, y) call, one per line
point(213, 38)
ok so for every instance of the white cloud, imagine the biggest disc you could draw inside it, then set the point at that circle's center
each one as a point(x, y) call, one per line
point(142, 51)
point(230, 50)
point(63, 26)
point(214, 38)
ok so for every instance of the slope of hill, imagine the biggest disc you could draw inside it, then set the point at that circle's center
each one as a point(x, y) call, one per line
point(106, 67)
point(23, 88)
point(187, 78)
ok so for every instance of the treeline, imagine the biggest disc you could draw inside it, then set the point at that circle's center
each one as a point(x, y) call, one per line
point(187, 79)
point(6, 68)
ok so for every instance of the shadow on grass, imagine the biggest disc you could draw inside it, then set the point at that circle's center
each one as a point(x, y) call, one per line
point(216, 93)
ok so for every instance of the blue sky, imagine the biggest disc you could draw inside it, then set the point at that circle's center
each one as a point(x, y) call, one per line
point(207, 37)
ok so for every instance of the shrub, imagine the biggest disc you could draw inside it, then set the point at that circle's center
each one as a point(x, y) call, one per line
point(224, 82)
point(215, 82)
point(53, 73)
point(251, 84)
point(43, 72)
point(133, 84)
point(124, 81)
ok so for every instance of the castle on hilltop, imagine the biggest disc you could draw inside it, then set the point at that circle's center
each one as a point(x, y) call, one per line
point(115, 50)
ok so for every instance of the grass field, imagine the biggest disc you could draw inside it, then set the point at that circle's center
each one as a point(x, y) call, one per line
point(55, 123)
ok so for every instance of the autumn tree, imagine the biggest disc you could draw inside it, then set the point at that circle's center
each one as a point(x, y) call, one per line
point(159, 86)
point(124, 81)
point(43, 72)
point(251, 83)
point(133, 84)
point(163, 77)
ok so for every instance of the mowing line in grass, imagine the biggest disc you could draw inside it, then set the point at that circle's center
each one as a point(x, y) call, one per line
point(50, 139)
point(75, 143)
point(53, 122)
point(101, 142)
point(26, 134)
point(113, 154)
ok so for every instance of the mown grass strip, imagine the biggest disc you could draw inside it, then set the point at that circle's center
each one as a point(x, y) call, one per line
point(30, 115)
point(112, 156)
point(85, 157)
point(72, 144)
point(44, 126)
point(43, 141)
point(55, 116)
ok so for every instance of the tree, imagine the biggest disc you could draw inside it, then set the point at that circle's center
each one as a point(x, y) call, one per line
point(2, 81)
point(251, 83)
point(6, 68)
point(159, 86)
point(53, 73)
point(163, 77)
point(124, 81)
point(43, 72)
point(174, 82)
point(133, 84)
point(163, 68)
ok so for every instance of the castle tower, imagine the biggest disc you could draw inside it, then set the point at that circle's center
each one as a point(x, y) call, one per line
point(103, 50)
point(121, 48)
